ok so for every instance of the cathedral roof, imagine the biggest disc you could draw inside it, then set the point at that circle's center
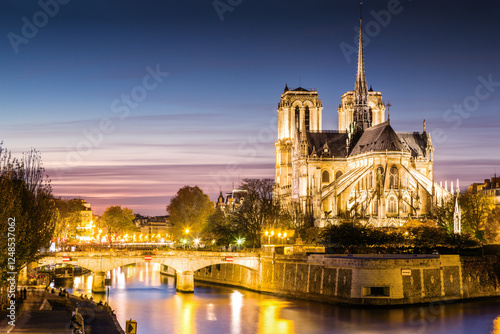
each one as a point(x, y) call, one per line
point(335, 142)
point(416, 142)
point(300, 89)
point(380, 137)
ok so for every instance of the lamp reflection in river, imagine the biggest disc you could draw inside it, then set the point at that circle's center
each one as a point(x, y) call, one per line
point(236, 305)
point(211, 316)
point(269, 321)
point(186, 307)
point(496, 326)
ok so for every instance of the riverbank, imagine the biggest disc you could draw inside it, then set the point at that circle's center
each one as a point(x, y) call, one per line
point(365, 280)
point(46, 312)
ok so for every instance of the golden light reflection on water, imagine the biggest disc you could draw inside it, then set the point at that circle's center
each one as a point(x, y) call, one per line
point(90, 280)
point(496, 326)
point(186, 307)
point(236, 305)
point(269, 318)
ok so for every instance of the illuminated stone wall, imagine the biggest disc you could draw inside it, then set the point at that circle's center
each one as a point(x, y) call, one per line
point(365, 279)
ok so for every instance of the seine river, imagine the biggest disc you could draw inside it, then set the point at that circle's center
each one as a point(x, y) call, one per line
point(141, 293)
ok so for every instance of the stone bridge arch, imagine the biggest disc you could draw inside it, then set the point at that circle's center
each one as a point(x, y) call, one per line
point(184, 263)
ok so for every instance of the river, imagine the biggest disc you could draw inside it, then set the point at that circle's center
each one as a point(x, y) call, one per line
point(141, 293)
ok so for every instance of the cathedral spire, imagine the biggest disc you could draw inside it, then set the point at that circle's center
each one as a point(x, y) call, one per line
point(360, 87)
point(362, 115)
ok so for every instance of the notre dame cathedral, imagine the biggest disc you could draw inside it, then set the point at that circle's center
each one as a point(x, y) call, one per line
point(364, 169)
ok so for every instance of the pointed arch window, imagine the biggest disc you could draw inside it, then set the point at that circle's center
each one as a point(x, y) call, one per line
point(405, 205)
point(392, 205)
point(394, 178)
point(297, 117)
point(338, 174)
point(325, 177)
point(306, 116)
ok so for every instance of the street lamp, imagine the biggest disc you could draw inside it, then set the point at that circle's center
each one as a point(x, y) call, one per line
point(240, 242)
point(187, 235)
point(269, 235)
point(282, 237)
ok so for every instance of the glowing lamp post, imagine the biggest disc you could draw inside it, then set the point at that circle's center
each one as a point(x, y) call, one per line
point(269, 235)
point(282, 237)
point(187, 236)
point(240, 242)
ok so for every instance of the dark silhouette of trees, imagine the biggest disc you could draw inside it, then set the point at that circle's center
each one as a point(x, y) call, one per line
point(492, 227)
point(258, 211)
point(475, 211)
point(27, 209)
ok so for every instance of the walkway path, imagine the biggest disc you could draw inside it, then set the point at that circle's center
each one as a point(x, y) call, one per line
point(30, 319)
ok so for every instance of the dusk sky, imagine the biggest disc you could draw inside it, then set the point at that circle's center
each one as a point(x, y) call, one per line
point(130, 100)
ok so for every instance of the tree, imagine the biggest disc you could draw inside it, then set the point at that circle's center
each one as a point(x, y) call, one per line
point(492, 227)
point(27, 209)
point(189, 209)
point(475, 211)
point(444, 214)
point(68, 218)
point(117, 221)
point(258, 210)
point(220, 228)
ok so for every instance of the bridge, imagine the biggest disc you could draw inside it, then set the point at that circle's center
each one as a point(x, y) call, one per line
point(185, 263)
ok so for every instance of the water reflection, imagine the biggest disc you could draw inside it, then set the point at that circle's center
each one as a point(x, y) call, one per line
point(236, 305)
point(140, 292)
point(270, 322)
point(496, 326)
point(186, 308)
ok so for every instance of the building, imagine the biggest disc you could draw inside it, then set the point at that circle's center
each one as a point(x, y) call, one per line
point(490, 187)
point(363, 169)
point(232, 201)
point(85, 226)
point(153, 225)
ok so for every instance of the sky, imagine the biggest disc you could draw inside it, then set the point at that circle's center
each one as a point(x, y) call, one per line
point(128, 101)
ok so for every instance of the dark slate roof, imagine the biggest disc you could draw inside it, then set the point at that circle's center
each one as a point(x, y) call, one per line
point(336, 142)
point(300, 89)
point(416, 142)
point(380, 137)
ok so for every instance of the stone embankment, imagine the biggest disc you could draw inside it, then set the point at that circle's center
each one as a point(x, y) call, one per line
point(365, 279)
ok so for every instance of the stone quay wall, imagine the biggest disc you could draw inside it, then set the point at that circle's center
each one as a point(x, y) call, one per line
point(365, 279)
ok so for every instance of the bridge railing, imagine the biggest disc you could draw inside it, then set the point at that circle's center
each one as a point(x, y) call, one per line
point(150, 246)
point(154, 252)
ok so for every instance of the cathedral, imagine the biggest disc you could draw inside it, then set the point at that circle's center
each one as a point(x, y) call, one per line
point(364, 169)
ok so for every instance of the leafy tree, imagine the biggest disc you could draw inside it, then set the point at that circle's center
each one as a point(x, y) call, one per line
point(117, 220)
point(258, 210)
point(345, 235)
point(475, 211)
point(27, 209)
point(219, 228)
point(444, 214)
point(492, 227)
point(68, 218)
point(309, 234)
point(189, 209)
